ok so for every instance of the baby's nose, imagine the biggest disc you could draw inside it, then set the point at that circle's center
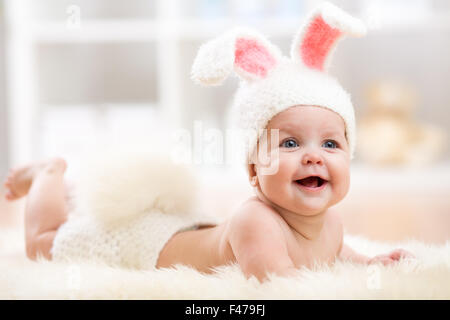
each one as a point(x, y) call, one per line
point(312, 157)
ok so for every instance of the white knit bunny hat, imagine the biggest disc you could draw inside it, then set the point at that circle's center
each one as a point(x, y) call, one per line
point(272, 82)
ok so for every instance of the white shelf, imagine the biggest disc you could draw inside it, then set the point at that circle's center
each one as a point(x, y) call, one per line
point(149, 30)
point(25, 33)
point(192, 29)
point(96, 31)
point(437, 23)
point(199, 29)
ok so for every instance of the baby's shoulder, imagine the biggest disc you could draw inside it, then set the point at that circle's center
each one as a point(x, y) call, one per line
point(253, 215)
point(253, 225)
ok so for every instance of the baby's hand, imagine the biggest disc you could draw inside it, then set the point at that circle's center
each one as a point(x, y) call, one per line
point(392, 257)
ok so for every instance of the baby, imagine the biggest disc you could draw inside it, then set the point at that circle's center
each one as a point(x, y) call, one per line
point(299, 165)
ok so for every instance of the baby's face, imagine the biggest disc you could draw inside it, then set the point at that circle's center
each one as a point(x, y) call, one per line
point(311, 143)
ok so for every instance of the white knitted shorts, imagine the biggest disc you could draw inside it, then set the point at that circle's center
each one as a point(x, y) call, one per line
point(135, 243)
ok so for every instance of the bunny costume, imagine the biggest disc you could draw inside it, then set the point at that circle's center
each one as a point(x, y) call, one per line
point(128, 207)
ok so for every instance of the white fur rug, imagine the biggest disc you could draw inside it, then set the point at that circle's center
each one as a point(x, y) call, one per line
point(426, 278)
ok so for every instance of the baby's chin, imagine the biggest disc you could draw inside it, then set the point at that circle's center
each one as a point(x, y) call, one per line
point(300, 206)
point(306, 209)
point(293, 203)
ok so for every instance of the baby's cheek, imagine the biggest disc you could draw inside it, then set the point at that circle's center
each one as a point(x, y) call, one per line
point(341, 180)
point(342, 189)
point(273, 186)
point(270, 183)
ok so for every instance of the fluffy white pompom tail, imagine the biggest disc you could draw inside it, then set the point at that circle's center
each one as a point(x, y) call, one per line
point(118, 185)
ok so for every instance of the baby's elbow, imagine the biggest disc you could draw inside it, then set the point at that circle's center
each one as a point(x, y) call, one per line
point(255, 271)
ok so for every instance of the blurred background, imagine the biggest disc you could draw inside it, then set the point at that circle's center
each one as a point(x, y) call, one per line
point(74, 74)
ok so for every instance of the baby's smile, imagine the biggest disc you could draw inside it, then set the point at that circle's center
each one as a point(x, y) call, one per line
point(311, 184)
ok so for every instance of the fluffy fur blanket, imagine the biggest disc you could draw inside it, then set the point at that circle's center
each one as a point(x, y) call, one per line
point(426, 278)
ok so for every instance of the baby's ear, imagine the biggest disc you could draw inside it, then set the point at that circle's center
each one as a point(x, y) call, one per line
point(316, 40)
point(251, 170)
point(245, 51)
point(252, 174)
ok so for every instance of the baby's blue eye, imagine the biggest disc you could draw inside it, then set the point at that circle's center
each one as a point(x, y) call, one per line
point(290, 143)
point(330, 144)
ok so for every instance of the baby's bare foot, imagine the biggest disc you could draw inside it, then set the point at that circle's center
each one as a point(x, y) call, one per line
point(19, 180)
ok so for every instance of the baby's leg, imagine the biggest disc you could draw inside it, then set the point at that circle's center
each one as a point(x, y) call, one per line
point(46, 206)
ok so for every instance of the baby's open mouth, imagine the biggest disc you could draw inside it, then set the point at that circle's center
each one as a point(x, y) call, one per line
point(311, 182)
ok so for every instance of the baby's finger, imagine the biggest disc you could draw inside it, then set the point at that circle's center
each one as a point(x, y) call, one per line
point(384, 259)
point(381, 256)
point(400, 254)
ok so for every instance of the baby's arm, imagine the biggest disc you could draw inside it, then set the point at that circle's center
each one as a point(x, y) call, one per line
point(258, 243)
point(347, 253)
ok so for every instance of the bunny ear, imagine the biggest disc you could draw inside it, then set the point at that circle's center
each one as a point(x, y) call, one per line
point(246, 51)
point(315, 42)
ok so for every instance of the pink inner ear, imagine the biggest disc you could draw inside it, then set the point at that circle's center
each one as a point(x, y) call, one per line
point(317, 42)
point(253, 58)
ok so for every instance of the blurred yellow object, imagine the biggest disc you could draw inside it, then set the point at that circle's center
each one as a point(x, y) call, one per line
point(388, 133)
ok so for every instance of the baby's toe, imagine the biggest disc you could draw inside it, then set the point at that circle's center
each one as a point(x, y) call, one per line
point(9, 180)
point(9, 195)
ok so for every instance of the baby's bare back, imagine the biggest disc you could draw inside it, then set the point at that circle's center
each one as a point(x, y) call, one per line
point(202, 249)
point(255, 223)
